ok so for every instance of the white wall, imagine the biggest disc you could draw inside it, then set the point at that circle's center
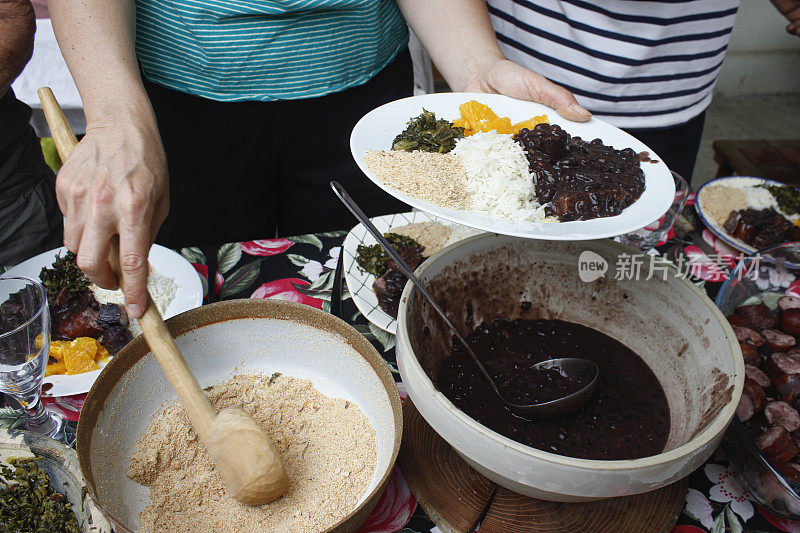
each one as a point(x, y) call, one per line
point(762, 57)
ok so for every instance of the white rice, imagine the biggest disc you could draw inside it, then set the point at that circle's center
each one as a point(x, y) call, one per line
point(761, 198)
point(161, 288)
point(497, 177)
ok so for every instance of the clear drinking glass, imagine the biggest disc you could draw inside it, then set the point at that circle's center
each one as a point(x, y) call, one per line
point(649, 236)
point(24, 346)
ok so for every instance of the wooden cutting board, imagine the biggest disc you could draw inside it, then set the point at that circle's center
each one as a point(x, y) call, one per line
point(457, 498)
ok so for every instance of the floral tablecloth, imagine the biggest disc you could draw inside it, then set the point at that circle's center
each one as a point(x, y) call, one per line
point(301, 269)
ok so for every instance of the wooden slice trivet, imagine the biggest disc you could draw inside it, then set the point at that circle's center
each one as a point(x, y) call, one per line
point(457, 498)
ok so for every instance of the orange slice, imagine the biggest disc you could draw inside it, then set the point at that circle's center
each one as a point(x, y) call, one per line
point(80, 356)
point(78, 362)
point(500, 125)
point(55, 368)
point(476, 117)
point(530, 124)
point(57, 349)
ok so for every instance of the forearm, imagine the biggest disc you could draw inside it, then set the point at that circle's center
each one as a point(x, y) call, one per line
point(96, 38)
point(457, 34)
point(115, 181)
point(17, 26)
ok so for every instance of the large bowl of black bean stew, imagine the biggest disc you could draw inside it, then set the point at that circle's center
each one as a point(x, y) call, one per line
point(761, 300)
point(671, 369)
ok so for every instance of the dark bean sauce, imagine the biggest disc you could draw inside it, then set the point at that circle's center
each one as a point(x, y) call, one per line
point(539, 385)
point(627, 417)
point(579, 180)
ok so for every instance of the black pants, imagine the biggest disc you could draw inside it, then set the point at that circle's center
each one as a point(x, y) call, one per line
point(242, 170)
point(676, 146)
point(30, 221)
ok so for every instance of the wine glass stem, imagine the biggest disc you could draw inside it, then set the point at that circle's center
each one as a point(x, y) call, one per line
point(35, 410)
point(39, 420)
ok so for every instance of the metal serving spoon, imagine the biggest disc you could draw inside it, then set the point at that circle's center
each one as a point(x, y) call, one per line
point(574, 368)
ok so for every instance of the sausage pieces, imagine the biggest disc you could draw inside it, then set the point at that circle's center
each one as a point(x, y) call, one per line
point(749, 336)
point(777, 445)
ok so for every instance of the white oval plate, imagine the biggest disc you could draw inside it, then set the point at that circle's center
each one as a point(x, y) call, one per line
point(718, 230)
point(359, 283)
point(188, 295)
point(378, 128)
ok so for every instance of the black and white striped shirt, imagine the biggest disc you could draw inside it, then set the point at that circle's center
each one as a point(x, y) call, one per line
point(636, 64)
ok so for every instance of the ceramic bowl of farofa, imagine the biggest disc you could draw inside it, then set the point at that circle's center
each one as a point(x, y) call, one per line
point(245, 338)
point(669, 323)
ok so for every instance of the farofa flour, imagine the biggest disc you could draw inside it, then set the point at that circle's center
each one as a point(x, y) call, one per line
point(327, 445)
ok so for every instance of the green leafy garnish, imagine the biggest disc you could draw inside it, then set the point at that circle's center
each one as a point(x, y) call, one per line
point(28, 503)
point(65, 274)
point(373, 260)
point(788, 198)
point(427, 134)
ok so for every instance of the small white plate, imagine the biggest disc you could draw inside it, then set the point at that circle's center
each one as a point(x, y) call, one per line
point(378, 128)
point(188, 295)
point(717, 229)
point(359, 283)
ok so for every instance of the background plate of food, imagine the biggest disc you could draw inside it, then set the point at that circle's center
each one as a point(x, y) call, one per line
point(513, 167)
point(750, 213)
point(89, 324)
point(373, 284)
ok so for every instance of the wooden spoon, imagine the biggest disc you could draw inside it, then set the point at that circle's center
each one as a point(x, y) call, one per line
point(250, 466)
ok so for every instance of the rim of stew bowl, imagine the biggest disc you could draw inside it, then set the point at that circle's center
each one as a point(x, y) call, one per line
point(714, 428)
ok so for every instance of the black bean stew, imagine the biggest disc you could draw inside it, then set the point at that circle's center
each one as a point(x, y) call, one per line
point(579, 180)
point(627, 417)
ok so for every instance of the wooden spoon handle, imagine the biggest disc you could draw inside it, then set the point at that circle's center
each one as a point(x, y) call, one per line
point(60, 130)
point(174, 366)
point(200, 411)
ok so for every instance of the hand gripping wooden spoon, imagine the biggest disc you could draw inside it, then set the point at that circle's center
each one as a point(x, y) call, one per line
point(249, 463)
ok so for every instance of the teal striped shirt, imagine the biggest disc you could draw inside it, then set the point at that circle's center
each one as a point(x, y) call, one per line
point(235, 50)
